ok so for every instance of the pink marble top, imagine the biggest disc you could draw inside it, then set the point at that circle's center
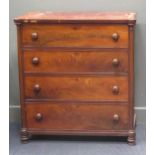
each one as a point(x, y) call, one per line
point(78, 16)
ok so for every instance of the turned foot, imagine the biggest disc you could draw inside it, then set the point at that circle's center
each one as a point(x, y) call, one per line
point(24, 136)
point(132, 137)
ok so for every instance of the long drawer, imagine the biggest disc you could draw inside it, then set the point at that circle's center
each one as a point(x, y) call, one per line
point(53, 116)
point(59, 61)
point(79, 35)
point(77, 87)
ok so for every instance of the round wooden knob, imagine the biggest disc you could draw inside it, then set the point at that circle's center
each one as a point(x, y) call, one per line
point(115, 62)
point(34, 36)
point(115, 36)
point(39, 116)
point(116, 117)
point(115, 89)
point(35, 60)
point(37, 88)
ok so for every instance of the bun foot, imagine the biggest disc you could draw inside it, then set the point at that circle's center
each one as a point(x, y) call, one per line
point(131, 137)
point(24, 136)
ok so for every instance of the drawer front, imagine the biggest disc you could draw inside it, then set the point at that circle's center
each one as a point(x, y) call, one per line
point(75, 35)
point(77, 61)
point(77, 88)
point(76, 116)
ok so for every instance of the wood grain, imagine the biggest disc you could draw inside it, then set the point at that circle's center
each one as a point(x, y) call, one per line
point(76, 116)
point(79, 35)
point(76, 16)
point(59, 61)
point(77, 88)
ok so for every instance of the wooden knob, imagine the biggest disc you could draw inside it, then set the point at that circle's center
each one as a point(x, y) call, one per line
point(115, 62)
point(115, 36)
point(37, 88)
point(116, 117)
point(34, 36)
point(39, 116)
point(115, 89)
point(35, 60)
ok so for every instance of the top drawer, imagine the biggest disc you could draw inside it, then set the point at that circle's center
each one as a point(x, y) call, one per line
point(75, 35)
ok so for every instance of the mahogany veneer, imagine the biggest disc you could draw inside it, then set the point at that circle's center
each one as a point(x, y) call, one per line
point(62, 61)
point(76, 73)
point(79, 35)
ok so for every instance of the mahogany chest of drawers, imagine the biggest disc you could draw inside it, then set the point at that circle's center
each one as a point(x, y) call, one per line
point(76, 73)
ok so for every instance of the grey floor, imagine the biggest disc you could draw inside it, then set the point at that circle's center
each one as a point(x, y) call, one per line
point(76, 145)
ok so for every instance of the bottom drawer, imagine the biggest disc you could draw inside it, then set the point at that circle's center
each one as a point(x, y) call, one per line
point(76, 116)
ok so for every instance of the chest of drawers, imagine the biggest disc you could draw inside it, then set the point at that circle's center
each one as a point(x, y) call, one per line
point(76, 73)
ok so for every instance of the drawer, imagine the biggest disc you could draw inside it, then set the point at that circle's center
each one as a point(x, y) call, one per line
point(75, 35)
point(53, 116)
point(57, 61)
point(77, 87)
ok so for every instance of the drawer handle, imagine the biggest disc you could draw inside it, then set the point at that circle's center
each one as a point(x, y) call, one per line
point(37, 88)
point(115, 90)
point(115, 117)
point(34, 36)
point(35, 60)
point(39, 117)
point(115, 36)
point(115, 62)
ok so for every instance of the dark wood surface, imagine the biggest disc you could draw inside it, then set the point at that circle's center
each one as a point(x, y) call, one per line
point(72, 116)
point(76, 74)
point(79, 35)
point(77, 88)
point(61, 61)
